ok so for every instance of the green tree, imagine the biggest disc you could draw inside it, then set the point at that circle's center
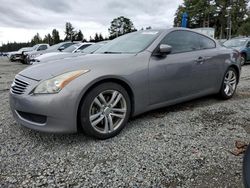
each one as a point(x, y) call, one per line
point(48, 39)
point(244, 29)
point(120, 26)
point(101, 37)
point(36, 39)
point(55, 36)
point(91, 39)
point(69, 32)
point(96, 38)
point(213, 13)
point(79, 36)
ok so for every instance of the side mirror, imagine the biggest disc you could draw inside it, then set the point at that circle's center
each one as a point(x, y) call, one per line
point(165, 49)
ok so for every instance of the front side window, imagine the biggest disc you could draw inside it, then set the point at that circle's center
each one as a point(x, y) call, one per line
point(182, 41)
point(66, 45)
point(84, 46)
point(70, 48)
point(42, 47)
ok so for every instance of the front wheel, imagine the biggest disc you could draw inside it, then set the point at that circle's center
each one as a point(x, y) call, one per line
point(229, 84)
point(105, 110)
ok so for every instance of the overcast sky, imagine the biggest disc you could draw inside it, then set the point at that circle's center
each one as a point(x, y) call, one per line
point(20, 20)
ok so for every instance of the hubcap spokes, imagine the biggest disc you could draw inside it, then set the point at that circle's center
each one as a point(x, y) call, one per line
point(230, 83)
point(107, 111)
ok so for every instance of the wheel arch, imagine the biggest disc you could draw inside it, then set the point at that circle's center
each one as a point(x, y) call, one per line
point(237, 70)
point(244, 53)
point(119, 81)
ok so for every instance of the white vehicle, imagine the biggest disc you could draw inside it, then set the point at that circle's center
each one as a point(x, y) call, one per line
point(68, 52)
point(17, 55)
point(209, 31)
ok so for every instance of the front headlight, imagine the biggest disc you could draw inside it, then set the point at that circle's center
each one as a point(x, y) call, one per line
point(32, 56)
point(56, 84)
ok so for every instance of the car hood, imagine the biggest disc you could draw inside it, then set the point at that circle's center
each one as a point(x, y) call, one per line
point(48, 55)
point(237, 48)
point(42, 52)
point(90, 62)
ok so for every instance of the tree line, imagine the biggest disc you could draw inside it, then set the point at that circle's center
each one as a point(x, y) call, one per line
point(219, 14)
point(119, 26)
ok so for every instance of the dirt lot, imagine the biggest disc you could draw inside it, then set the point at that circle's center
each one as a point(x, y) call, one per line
point(186, 145)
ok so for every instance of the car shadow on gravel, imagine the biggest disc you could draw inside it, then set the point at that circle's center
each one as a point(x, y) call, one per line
point(80, 137)
point(186, 106)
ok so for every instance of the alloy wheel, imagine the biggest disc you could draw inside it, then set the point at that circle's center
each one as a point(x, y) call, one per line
point(230, 83)
point(107, 111)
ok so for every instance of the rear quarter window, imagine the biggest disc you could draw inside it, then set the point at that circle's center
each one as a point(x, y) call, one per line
point(206, 43)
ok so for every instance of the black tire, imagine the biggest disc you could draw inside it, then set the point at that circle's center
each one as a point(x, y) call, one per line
point(87, 102)
point(243, 59)
point(222, 93)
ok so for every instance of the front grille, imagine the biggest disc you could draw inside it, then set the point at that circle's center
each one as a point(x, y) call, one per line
point(18, 86)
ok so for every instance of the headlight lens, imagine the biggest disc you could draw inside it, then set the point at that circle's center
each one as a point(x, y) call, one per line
point(33, 55)
point(56, 84)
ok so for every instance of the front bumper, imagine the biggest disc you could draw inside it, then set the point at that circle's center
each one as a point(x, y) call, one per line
point(53, 113)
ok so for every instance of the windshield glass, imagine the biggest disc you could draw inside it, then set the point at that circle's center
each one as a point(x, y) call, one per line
point(235, 43)
point(57, 46)
point(71, 48)
point(130, 43)
point(34, 47)
point(92, 48)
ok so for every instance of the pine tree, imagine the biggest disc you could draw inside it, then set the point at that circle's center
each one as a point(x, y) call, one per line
point(79, 36)
point(100, 37)
point(69, 32)
point(120, 26)
point(213, 13)
point(36, 39)
point(96, 38)
point(55, 36)
point(48, 39)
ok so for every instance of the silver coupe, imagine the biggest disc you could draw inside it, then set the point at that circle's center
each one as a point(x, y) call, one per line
point(132, 74)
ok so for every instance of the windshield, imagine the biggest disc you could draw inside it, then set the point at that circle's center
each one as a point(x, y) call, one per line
point(235, 43)
point(57, 46)
point(71, 48)
point(92, 48)
point(130, 43)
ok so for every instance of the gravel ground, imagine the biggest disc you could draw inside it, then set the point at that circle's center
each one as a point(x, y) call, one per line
point(185, 145)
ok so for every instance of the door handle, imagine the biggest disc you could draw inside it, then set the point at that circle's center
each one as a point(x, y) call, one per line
point(200, 60)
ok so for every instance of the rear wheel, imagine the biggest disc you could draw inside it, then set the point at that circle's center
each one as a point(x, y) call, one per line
point(105, 110)
point(229, 84)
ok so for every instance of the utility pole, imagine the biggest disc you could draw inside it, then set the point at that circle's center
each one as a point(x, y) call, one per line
point(229, 20)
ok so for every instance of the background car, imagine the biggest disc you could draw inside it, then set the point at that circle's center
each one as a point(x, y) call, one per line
point(77, 52)
point(77, 47)
point(242, 45)
point(130, 75)
point(17, 55)
point(30, 56)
